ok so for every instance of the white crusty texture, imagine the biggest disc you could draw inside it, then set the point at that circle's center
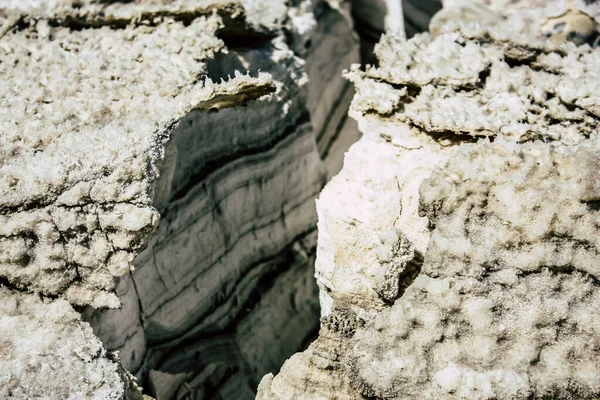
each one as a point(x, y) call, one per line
point(259, 14)
point(57, 80)
point(47, 352)
point(452, 83)
point(458, 249)
point(83, 130)
point(323, 385)
point(504, 306)
point(521, 206)
point(360, 207)
point(518, 6)
point(522, 22)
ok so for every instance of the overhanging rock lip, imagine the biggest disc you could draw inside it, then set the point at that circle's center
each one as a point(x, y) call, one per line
point(58, 174)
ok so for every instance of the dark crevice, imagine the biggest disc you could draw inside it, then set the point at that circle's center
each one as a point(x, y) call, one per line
point(557, 270)
point(4, 282)
point(239, 36)
point(575, 107)
point(14, 23)
point(281, 262)
point(412, 92)
point(139, 300)
point(15, 287)
point(412, 89)
point(221, 298)
point(593, 205)
point(367, 31)
point(211, 390)
point(35, 204)
point(447, 137)
point(336, 105)
point(515, 62)
point(310, 337)
point(483, 77)
point(334, 138)
point(485, 274)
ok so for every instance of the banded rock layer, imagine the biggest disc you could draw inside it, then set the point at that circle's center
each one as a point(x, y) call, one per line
point(458, 252)
point(129, 140)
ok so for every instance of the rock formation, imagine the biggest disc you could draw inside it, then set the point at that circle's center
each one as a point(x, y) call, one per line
point(47, 349)
point(458, 253)
point(130, 142)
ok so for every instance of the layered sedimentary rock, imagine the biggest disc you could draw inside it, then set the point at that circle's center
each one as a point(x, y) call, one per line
point(458, 252)
point(130, 142)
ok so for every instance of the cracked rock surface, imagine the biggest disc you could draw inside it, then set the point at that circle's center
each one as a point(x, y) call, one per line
point(464, 264)
point(158, 168)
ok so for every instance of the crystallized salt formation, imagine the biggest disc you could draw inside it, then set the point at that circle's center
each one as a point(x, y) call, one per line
point(465, 264)
point(46, 351)
point(84, 120)
point(504, 304)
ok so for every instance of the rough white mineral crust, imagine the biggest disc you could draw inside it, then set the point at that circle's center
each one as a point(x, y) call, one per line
point(47, 352)
point(458, 253)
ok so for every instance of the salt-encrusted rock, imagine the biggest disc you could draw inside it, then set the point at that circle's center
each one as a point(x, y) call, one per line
point(558, 20)
point(82, 142)
point(116, 115)
point(458, 255)
point(48, 352)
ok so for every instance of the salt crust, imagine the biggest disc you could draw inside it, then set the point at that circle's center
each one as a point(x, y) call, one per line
point(463, 84)
point(260, 14)
point(504, 306)
point(81, 139)
point(47, 352)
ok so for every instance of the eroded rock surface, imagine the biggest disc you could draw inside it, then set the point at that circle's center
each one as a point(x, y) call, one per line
point(119, 115)
point(458, 251)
